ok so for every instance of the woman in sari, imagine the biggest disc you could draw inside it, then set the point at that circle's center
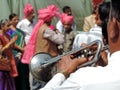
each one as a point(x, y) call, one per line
point(21, 80)
point(6, 44)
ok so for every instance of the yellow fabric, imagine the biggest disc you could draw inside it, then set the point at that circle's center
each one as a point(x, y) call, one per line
point(89, 22)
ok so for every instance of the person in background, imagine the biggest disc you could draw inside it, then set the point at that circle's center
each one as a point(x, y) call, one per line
point(69, 33)
point(90, 21)
point(92, 78)
point(59, 25)
point(103, 17)
point(26, 25)
point(6, 45)
point(13, 19)
point(95, 33)
point(43, 39)
point(17, 50)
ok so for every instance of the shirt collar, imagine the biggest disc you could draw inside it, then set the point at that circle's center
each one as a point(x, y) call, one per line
point(27, 22)
point(114, 55)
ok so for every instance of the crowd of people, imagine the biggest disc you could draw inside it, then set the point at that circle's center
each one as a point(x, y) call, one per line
point(21, 39)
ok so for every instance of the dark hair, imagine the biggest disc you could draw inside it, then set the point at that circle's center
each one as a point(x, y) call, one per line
point(103, 11)
point(65, 7)
point(94, 10)
point(116, 10)
point(2, 22)
point(12, 15)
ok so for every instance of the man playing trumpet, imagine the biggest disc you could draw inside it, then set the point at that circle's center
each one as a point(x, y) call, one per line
point(68, 78)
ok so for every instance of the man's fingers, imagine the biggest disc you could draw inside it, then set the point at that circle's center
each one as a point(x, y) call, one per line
point(81, 60)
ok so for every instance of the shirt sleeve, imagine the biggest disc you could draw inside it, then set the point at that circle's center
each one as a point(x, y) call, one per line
point(56, 81)
point(19, 25)
point(51, 35)
point(59, 26)
point(86, 26)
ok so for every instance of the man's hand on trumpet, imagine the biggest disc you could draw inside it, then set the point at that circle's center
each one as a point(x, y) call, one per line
point(103, 61)
point(68, 64)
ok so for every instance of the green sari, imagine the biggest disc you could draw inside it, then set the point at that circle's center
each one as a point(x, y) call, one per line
point(22, 81)
point(20, 41)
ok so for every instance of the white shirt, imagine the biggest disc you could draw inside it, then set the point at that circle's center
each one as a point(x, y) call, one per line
point(88, 76)
point(95, 33)
point(59, 26)
point(26, 26)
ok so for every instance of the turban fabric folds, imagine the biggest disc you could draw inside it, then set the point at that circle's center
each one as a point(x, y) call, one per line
point(48, 13)
point(28, 10)
point(66, 18)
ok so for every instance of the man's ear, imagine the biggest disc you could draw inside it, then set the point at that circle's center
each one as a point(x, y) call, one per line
point(114, 32)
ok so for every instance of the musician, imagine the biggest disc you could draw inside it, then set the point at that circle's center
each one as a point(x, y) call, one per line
point(68, 78)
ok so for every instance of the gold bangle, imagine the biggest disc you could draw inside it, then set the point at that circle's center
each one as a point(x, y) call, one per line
point(6, 46)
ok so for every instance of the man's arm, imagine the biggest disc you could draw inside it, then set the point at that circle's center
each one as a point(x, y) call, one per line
point(56, 81)
point(55, 37)
point(86, 26)
point(59, 26)
point(66, 66)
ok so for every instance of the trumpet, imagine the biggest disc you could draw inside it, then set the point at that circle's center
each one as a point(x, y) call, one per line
point(43, 65)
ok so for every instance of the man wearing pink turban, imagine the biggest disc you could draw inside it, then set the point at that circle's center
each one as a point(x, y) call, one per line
point(89, 21)
point(26, 25)
point(69, 34)
point(43, 39)
point(67, 10)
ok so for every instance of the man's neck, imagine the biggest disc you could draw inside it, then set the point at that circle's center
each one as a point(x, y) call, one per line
point(30, 20)
point(114, 46)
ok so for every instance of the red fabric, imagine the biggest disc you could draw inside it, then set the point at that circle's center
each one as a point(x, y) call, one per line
point(9, 53)
point(97, 2)
point(52, 27)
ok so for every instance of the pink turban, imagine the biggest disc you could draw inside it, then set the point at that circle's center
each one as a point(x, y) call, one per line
point(44, 15)
point(28, 10)
point(48, 13)
point(66, 18)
